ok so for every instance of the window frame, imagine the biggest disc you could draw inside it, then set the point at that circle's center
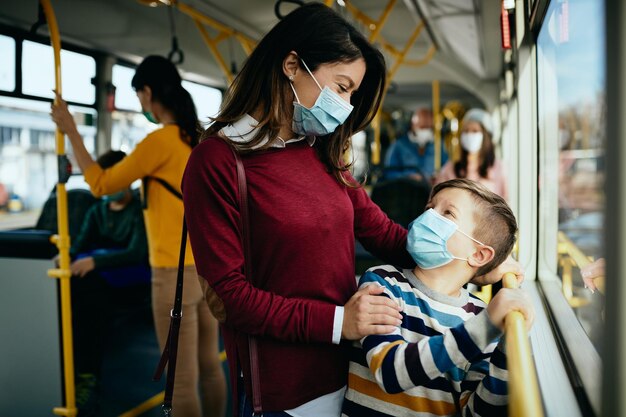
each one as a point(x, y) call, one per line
point(20, 36)
point(578, 353)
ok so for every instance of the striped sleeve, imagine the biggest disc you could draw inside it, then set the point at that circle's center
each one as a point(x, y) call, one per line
point(398, 365)
point(484, 390)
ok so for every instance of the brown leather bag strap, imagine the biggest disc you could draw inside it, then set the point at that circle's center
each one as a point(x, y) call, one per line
point(171, 346)
point(245, 230)
point(170, 351)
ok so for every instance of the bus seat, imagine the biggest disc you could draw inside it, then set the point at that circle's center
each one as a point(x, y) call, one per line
point(402, 199)
point(78, 202)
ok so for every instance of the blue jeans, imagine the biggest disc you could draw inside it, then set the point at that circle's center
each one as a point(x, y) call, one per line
point(246, 409)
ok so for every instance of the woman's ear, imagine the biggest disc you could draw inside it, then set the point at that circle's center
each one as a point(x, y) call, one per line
point(483, 255)
point(291, 65)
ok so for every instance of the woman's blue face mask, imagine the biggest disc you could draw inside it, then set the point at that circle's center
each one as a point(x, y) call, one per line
point(328, 112)
point(427, 241)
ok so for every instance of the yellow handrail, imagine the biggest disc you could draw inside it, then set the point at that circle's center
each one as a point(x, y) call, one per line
point(566, 246)
point(62, 239)
point(437, 124)
point(524, 399)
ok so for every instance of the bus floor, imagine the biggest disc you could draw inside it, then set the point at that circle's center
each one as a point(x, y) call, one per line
point(130, 357)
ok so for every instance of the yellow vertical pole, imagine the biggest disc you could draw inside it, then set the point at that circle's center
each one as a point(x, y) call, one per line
point(524, 399)
point(376, 145)
point(213, 48)
point(437, 124)
point(381, 22)
point(62, 240)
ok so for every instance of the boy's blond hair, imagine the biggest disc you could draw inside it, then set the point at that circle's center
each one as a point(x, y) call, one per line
point(495, 223)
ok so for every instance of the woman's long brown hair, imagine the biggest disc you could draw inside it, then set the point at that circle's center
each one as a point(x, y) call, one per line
point(319, 36)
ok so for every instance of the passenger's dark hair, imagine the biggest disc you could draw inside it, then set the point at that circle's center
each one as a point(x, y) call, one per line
point(110, 158)
point(319, 36)
point(163, 78)
point(486, 156)
point(495, 222)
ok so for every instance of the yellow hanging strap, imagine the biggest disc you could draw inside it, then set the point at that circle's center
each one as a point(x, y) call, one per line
point(524, 399)
point(62, 239)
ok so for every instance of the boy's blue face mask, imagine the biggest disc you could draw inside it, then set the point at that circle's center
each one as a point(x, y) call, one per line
point(427, 241)
point(328, 112)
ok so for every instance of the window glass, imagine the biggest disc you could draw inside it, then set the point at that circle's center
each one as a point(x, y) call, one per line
point(77, 71)
point(7, 63)
point(28, 161)
point(207, 100)
point(571, 92)
point(125, 96)
point(128, 129)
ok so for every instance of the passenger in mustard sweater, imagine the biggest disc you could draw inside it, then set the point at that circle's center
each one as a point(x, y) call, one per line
point(162, 156)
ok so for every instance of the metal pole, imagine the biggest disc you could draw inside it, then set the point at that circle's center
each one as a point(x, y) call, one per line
point(437, 124)
point(62, 239)
point(524, 399)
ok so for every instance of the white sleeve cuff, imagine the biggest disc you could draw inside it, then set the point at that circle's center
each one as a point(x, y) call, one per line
point(337, 325)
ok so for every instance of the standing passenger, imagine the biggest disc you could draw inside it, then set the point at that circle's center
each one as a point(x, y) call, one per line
point(478, 158)
point(158, 159)
point(310, 84)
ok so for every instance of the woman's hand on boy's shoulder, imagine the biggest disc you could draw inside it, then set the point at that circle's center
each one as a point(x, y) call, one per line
point(367, 313)
point(509, 265)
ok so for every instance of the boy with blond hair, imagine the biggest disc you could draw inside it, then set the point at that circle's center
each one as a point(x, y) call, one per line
point(446, 357)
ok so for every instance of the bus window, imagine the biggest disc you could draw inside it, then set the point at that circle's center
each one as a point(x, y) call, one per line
point(28, 162)
point(125, 96)
point(78, 70)
point(571, 115)
point(7, 63)
point(207, 100)
point(129, 125)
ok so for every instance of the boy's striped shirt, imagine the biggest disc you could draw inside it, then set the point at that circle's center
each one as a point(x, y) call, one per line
point(443, 360)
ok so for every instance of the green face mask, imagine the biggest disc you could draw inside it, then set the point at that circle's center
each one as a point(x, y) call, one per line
point(150, 117)
point(115, 197)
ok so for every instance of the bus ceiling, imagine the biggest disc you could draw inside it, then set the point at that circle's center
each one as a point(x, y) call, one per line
point(459, 46)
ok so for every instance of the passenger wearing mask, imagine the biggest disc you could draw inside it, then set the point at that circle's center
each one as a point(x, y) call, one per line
point(478, 158)
point(413, 154)
point(160, 160)
point(310, 84)
point(110, 247)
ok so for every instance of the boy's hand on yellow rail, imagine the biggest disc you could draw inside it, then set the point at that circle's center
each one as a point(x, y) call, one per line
point(509, 265)
point(507, 300)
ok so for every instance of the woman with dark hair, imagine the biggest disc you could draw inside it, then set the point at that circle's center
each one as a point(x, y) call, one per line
point(478, 158)
point(160, 160)
point(310, 84)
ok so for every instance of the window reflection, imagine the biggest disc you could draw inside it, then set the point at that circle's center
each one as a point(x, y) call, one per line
point(572, 125)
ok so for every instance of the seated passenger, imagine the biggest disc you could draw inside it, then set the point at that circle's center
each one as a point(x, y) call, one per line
point(445, 358)
point(413, 154)
point(478, 158)
point(112, 236)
